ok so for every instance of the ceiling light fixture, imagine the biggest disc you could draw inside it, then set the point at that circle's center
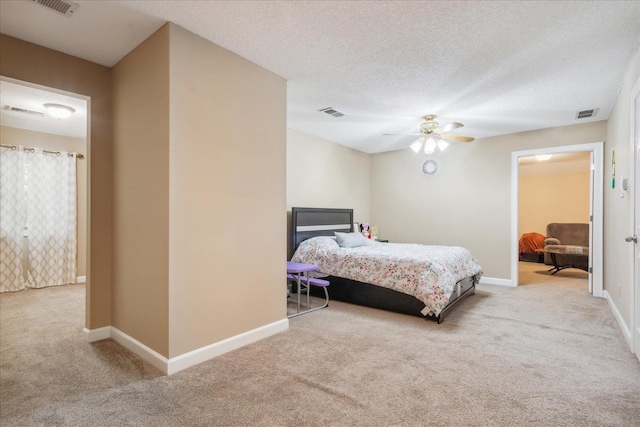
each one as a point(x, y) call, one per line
point(543, 157)
point(59, 111)
point(430, 144)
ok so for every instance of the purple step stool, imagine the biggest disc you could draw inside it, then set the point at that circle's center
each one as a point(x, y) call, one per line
point(312, 281)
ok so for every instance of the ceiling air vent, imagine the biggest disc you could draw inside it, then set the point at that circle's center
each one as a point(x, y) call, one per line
point(586, 113)
point(65, 8)
point(23, 111)
point(330, 111)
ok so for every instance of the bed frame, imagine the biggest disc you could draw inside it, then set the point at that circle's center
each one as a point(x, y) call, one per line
point(312, 222)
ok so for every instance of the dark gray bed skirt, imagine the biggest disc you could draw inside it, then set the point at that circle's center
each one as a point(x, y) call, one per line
point(369, 295)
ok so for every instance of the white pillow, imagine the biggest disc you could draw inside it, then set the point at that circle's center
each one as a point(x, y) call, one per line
point(351, 240)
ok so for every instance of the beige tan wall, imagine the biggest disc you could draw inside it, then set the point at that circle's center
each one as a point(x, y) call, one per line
point(322, 174)
point(552, 198)
point(141, 193)
point(227, 194)
point(48, 141)
point(35, 64)
point(617, 257)
point(468, 204)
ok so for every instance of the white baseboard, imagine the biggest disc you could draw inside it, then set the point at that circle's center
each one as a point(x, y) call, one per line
point(178, 363)
point(81, 279)
point(211, 351)
point(145, 353)
point(494, 281)
point(98, 334)
point(616, 314)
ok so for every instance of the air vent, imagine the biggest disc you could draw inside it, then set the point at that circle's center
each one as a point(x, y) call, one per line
point(23, 111)
point(65, 8)
point(330, 111)
point(586, 113)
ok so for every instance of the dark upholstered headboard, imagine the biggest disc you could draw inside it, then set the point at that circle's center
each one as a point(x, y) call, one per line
point(311, 222)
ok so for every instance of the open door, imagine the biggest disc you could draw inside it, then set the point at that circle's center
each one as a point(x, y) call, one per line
point(635, 273)
point(592, 168)
point(635, 217)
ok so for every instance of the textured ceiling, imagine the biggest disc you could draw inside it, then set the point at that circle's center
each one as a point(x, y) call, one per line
point(498, 67)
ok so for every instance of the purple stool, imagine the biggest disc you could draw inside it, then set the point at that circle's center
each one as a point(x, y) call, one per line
point(311, 281)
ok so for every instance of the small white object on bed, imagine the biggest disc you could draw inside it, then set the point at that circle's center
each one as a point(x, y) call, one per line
point(428, 273)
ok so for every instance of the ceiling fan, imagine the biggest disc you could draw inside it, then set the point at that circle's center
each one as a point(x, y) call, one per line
point(432, 135)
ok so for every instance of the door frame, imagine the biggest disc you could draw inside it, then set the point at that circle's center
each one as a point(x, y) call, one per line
point(87, 225)
point(634, 219)
point(597, 196)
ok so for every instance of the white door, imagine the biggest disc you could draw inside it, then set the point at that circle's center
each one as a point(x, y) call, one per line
point(635, 214)
point(592, 168)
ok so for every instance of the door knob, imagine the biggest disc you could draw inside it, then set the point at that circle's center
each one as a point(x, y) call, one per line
point(630, 239)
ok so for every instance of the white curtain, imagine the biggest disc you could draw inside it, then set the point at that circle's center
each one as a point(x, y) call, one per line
point(51, 218)
point(39, 196)
point(13, 216)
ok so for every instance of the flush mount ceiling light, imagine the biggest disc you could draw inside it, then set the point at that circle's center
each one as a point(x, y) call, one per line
point(543, 157)
point(59, 111)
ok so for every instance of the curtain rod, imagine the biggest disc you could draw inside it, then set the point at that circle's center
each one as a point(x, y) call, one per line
point(15, 147)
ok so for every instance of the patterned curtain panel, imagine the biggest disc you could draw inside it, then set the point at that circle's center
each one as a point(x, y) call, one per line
point(12, 220)
point(51, 218)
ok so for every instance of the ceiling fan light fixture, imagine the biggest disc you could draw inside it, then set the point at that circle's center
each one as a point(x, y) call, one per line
point(416, 145)
point(432, 137)
point(59, 111)
point(430, 145)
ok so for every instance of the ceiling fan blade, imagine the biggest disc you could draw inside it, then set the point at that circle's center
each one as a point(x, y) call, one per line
point(458, 138)
point(401, 134)
point(451, 126)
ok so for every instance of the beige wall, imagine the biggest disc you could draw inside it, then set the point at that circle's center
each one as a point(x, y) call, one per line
point(552, 198)
point(141, 193)
point(322, 174)
point(468, 204)
point(206, 167)
point(48, 141)
point(227, 194)
point(35, 64)
point(199, 168)
point(617, 257)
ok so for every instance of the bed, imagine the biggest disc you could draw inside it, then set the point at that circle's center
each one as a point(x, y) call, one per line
point(531, 247)
point(412, 279)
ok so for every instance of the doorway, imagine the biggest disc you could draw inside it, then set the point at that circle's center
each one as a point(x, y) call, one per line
point(554, 202)
point(25, 123)
point(596, 204)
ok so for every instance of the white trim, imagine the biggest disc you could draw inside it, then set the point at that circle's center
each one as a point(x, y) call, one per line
point(494, 281)
point(186, 360)
point(623, 327)
point(145, 353)
point(598, 194)
point(93, 335)
point(634, 322)
point(211, 351)
point(81, 279)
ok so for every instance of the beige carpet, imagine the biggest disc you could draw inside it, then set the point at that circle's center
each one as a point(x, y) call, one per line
point(544, 354)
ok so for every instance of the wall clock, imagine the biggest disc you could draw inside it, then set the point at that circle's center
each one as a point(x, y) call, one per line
point(430, 168)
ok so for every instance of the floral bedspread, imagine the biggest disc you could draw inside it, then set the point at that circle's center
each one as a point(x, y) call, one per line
point(428, 273)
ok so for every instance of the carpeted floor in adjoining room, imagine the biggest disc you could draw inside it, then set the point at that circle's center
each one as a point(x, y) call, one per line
point(544, 354)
